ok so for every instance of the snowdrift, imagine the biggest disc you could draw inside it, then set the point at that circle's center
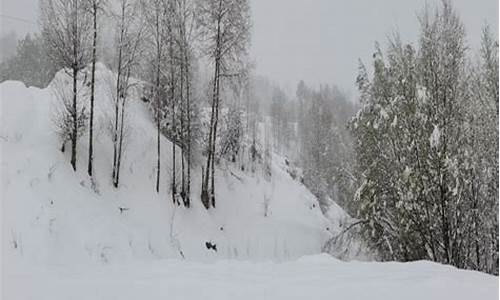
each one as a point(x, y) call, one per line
point(53, 215)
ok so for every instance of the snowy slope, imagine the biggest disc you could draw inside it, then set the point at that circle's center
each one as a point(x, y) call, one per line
point(64, 239)
point(52, 215)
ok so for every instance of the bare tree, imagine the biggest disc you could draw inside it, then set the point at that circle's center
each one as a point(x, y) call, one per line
point(155, 14)
point(225, 25)
point(93, 7)
point(185, 37)
point(65, 31)
point(62, 112)
point(172, 57)
point(129, 34)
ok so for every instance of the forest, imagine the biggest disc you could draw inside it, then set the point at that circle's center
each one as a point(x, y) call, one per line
point(412, 156)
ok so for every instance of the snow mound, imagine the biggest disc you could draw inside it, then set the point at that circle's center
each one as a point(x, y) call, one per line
point(52, 215)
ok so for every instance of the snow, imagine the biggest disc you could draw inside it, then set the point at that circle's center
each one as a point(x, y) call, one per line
point(64, 237)
point(311, 277)
point(435, 136)
point(55, 216)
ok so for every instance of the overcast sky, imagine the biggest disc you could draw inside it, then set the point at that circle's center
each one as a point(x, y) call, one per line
point(318, 41)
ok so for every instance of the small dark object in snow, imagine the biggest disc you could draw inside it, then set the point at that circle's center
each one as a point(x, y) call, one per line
point(221, 228)
point(327, 228)
point(287, 162)
point(123, 209)
point(209, 246)
point(314, 205)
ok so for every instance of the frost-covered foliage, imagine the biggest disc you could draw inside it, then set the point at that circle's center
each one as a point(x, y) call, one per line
point(426, 142)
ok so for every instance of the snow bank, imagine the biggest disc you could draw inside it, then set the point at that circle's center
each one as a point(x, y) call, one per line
point(311, 277)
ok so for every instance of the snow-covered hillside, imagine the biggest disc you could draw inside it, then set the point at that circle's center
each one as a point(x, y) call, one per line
point(64, 237)
point(54, 215)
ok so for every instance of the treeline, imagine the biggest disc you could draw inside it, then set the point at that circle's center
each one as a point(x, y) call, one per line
point(426, 144)
point(309, 129)
point(325, 145)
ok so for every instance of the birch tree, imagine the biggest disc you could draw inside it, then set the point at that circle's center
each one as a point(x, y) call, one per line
point(65, 31)
point(155, 15)
point(128, 48)
point(225, 27)
point(187, 37)
point(93, 7)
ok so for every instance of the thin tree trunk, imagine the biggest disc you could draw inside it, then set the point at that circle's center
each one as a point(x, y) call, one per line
point(205, 197)
point(92, 90)
point(117, 104)
point(182, 136)
point(188, 104)
point(158, 130)
point(174, 128)
point(217, 100)
point(75, 118)
point(120, 145)
point(188, 126)
point(174, 190)
point(157, 94)
point(75, 74)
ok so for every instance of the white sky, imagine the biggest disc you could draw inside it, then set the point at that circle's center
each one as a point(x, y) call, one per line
point(318, 41)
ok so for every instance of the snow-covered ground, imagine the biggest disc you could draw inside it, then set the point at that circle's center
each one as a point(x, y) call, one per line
point(311, 277)
point(63, 238)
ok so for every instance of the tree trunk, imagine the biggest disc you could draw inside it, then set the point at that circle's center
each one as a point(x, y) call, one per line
point(188, 104)
point(174, 128)
point(120, 145)
point(74, 134)
point(217, 100)
point(205, 198)
point(157, 94)
point(187, 139)
point(117, 104)
point(92, 90)
point(182, 136)
point(75, 120)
